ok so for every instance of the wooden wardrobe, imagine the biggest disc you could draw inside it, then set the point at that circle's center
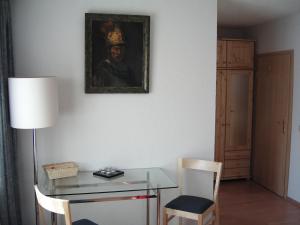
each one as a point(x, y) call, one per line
point(235, 61)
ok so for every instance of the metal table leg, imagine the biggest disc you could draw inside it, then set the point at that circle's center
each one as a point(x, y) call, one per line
point(37, 213)
point(157, 207)
point(53, 219)
point(53, 215)
point(148, 201)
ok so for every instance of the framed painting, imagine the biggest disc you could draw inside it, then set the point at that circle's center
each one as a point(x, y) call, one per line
point(116, 53)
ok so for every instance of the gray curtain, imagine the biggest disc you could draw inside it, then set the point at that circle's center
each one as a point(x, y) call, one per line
point(9, 201)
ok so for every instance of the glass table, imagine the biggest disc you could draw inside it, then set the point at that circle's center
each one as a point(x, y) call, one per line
point(148, 180)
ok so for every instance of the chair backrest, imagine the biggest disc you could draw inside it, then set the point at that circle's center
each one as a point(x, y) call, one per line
point(55, 205)
point(203, 165)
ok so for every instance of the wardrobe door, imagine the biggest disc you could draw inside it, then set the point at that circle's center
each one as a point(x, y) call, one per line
point(220, 115)
point(240, 54)
point(221, 54)
point(239, 89)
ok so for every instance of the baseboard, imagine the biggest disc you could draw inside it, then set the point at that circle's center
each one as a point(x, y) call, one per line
point(294, 202)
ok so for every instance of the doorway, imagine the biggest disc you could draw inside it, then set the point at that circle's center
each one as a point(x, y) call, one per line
point(272, 120)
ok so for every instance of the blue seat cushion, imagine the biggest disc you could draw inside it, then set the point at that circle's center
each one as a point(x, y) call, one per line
point(189, 203)
point(84, 222)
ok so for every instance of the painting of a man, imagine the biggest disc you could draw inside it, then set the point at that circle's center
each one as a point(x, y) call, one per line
point(113, 71)
point(117, 53)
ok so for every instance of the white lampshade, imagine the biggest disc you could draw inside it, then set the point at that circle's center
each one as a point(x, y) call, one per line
point(33, 102)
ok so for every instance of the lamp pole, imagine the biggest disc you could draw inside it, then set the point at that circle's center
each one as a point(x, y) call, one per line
point(35, 163)
point(35, 174)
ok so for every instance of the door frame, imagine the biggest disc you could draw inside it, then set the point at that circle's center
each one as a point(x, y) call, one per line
point(290, 109)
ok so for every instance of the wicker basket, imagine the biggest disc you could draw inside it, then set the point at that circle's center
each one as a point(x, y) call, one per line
point(60, 170)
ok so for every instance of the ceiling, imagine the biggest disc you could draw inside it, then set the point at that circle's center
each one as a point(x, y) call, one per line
point(242, 13)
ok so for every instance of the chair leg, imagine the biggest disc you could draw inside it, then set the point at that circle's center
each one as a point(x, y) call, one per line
point(200, 220)
point(217, 214)
point(165, 217)
point(180, 220)
point(41, 215)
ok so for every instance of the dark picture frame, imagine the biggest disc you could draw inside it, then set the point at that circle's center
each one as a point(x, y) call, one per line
point(117, 51)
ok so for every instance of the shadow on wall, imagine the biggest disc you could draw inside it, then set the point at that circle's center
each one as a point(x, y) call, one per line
point(232, 32)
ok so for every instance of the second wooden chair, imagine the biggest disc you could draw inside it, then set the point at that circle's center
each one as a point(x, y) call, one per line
point(193, 207)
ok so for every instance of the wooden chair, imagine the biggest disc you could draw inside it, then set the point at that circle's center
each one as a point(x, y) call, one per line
point(192, 207)
point(59, 206)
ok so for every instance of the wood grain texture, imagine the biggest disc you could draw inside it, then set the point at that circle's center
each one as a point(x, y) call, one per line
point(273, 99)
point(238, 109)
point(220, 115)
point(240, 54)
point(51, 204)
point(202, 165)
point(237, 163)
point(237, 172)
point(59, 206)
point(246, 203)
point(221, 54)
point(210, 214)
point(238, 154)
point(234, 103)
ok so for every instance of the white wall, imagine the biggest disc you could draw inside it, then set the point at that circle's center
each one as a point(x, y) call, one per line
point(284, 35)
point(125, 130)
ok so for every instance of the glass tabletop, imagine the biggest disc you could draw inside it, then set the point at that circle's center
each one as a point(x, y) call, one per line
point(85, 182)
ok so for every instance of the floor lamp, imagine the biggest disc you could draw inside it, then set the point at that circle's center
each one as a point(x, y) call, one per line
point(33, 104)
